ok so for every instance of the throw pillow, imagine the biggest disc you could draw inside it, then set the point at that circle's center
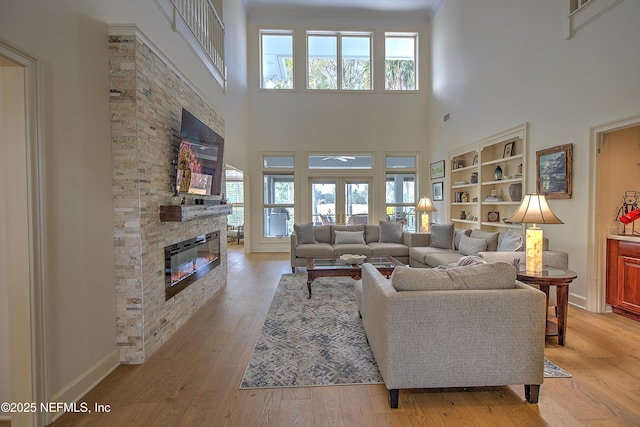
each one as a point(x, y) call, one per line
point(349, 237)
point(471, 245)
point(391, 232)
point(458, 236)
point(491, 238)
point(442, 236)
point(305, 233)
point(510, 242)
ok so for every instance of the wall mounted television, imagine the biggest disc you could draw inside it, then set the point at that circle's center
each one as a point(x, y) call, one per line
point(199, 169)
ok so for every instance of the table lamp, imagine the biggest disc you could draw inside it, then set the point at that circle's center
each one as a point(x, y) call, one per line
point(534, 210)
point(424, 207)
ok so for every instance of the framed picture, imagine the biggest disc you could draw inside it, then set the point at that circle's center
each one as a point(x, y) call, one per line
point(437, 169)
point(508, 149)
point(437, 191)
point(554, 168)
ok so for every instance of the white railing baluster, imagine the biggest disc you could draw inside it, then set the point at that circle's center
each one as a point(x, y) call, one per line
point(206, 26)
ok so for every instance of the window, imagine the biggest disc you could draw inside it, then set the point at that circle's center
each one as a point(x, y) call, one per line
point(401, 190)
point(339, 61)
point(278, 196)
point(277, 60)
point(400, 61)
point(235, 195)
point(339, 161)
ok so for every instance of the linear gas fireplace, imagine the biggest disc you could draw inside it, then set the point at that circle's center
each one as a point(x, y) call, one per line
point(187, 261)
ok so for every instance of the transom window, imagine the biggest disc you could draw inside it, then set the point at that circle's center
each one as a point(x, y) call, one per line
point(339, 61)
point(400, 61)
point(341, 161)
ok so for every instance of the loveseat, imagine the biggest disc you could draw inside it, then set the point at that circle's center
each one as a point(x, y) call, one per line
point(446, 245)
point(385, 238)
point(465, 326)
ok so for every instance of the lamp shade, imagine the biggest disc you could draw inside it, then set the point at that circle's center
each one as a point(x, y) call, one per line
point(534, 210)
point(425, 205)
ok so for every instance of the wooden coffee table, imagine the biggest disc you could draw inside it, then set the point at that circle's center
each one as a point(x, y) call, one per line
point(335, 267)
point(560, 279)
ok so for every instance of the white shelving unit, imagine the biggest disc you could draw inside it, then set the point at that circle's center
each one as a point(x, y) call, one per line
point(467, 199)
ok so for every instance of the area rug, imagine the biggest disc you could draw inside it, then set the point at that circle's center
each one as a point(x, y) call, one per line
point(312, 342)
point(318, 341)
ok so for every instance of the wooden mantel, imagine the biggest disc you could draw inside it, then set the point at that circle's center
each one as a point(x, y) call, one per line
point(182, 213)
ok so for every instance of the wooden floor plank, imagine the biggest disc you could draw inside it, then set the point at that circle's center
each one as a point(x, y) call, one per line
point(194, 379)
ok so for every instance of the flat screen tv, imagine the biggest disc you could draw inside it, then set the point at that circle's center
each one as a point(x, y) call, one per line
point(199, 158)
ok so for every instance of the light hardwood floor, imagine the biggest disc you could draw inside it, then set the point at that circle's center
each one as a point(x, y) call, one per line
point(194, 378)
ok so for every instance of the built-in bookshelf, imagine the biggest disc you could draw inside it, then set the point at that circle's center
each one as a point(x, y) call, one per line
point(487, 180)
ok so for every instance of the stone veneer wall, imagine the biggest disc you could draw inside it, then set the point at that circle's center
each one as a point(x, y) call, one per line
point(147, 97)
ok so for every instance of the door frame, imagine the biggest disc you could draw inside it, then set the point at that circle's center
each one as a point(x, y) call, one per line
point(340, 183)
point(27, 306)
point(597, 235)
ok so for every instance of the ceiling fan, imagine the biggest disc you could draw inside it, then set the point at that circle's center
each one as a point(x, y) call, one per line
point(341, 158)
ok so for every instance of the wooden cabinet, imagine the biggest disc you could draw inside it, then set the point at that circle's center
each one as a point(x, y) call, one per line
point(484, 177)
point(623, 277)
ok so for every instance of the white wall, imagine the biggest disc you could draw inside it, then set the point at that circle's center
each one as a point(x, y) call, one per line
point(10, 135)
point(302, 121)
point(499, 63)
point(69, 38)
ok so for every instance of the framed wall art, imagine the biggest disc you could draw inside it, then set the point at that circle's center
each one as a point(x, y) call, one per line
point(437, 169)
point(437, 191)
point(554, 168)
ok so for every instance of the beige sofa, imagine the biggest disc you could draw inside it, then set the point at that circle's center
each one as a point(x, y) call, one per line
point(471, 326)
point(390, 241)
point(445, 245)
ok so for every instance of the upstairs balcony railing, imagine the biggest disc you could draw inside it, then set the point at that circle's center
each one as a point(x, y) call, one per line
point(200, 25)
point(207, 27)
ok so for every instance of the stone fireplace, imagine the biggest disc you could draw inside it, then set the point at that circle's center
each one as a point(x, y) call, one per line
point(147, 96)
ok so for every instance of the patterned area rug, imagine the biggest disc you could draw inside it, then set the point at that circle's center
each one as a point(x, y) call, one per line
point(318, 341)
point(311, 342)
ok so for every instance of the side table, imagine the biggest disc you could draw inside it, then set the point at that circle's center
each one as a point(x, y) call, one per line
point(560, 279)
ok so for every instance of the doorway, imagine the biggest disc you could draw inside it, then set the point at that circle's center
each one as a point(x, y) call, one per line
point(22, 225)
point(340, 200)
point(616, 161)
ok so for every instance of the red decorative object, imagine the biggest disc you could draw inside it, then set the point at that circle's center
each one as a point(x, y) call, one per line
point(629, 217)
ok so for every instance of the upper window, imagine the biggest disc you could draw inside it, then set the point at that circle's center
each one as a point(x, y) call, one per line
point(400, 61)
point(339, 61)
point(341, 161)
point(277, 60)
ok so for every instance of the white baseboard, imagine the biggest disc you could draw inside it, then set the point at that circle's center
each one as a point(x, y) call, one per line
point(577, 300)
point(74, 391)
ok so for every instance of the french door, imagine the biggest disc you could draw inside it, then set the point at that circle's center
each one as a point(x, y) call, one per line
point(340, 200)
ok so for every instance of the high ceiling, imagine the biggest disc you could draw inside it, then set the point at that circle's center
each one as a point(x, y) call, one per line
point(420, 7)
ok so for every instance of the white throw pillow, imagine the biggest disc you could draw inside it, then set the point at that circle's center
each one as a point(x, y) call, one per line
point(349, 237)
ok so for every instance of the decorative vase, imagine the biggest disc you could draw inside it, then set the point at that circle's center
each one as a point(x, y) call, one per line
point(519, 173)
point(515, 192)
point(463, 215)
point(176, 200)
point(474, 178)
point(497, 174)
